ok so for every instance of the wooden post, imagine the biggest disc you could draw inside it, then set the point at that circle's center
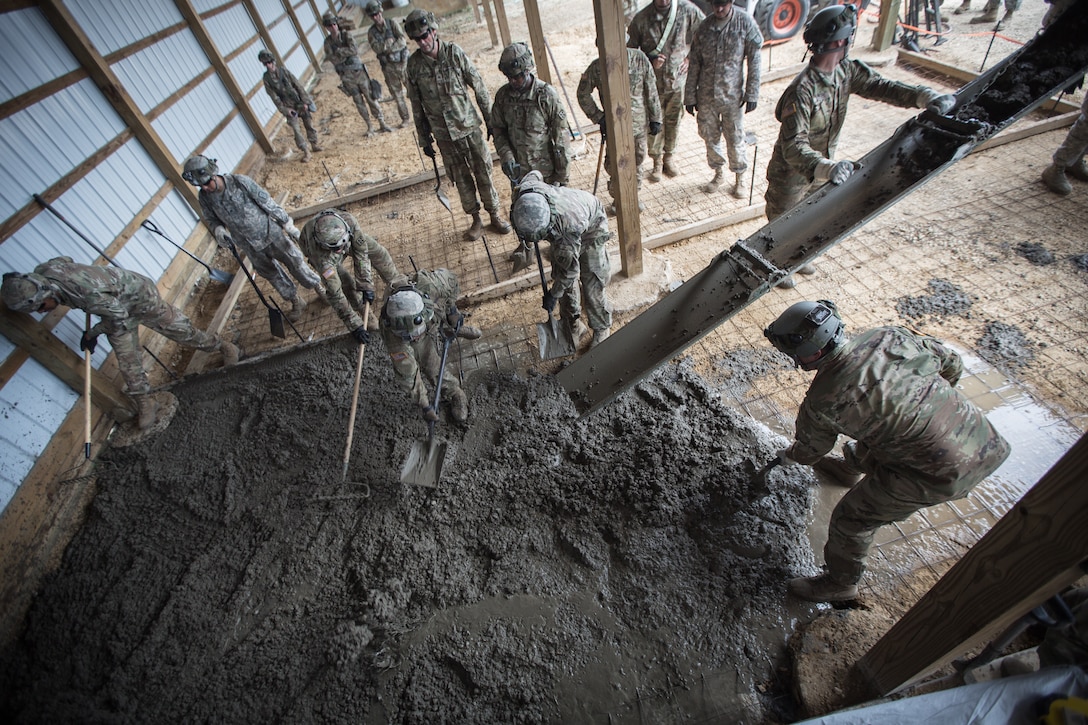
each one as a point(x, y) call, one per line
point(293, 17)
point(536, 37)
point(490, 23)
point(262, 30)
point(885, 29)
point(1034, 551)
point(504, 27)
point(476, 11)
point(616, 98)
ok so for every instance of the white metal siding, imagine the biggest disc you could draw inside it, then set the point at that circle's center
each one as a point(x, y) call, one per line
point(155, 73)
point(115, 24)
point(33, 54)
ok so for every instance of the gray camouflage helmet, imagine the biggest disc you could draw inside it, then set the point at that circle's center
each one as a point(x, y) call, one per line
point(331, 231)
point(373, 8)
point(516, 59)
point(329, 19)
point(805, 330)
point(419, 22)
point(199, 170)
point(25, 292)
point(265, 57)
point(833, 23)
point(405, 314)
point(531, 216)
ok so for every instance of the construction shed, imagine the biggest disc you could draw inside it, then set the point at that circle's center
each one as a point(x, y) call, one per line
point(619, 565)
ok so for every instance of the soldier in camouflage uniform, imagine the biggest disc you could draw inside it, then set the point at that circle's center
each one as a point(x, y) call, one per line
point(645, 107)
point(575, 224)
point(916, 440)
point(812, 111)
point(439, 77)
point(341, 51)
point(328, 240)
point(123, 301)
point(716, 87)
point(239, 212)
point(292, 100)
point(390, 45)
point(664, 30)
point(420, 313)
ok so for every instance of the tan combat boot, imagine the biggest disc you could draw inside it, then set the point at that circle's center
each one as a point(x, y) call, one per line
point(964, 7)
point(578, 330)
point(475, 231)
point(498, 224)
point(317, 147)
point(600, 336)
point(459, 405)
point(738, 185)
point(147, 409)
point(838, 471)
point(298, 306)
point(822, 588)
point(989, 15)
point(306, 155)
point(470, 332)
point(1079, 170)
point(667, 168)
point(1055, 179)
point(711, 186)
point(655, 174)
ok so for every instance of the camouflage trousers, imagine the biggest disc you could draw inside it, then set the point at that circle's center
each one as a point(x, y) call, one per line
point(422, 360)
point(725, 121)
point(1075, 143)
point(594, 271)
point(468, 164)
point(672, 110)
point(888, 493)
point(164, 319)
point(785, 187)
point(394, 81)
point(356, 83)
point(640, 156)
point(303, 119)
point(270, 262)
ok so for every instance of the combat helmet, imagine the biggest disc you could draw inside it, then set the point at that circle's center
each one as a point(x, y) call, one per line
point(25, 292)
point(833, 23)
point(265, 57)
point(329, 19)
point(531, 216)
point(805, 330)
point(331, 231)
point(516, 59)
point(199, 170)
point(406, 314)
point(419, 22)
point(373, 8)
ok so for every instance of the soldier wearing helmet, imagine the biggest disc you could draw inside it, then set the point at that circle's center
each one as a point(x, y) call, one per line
point(440, 78)
point(916, 441)
point(292, 100)
point(328, 241)
point(812, 111)
point(239, 212)
point(123, 301)
point(416, 311)
point(575, 224)
point(390, 45)
point(342, 52)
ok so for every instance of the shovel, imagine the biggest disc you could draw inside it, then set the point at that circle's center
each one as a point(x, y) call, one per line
point(554, 340)
point(355, 407)
point(87, 397)
point(759, 478)
point(275, 315)
point(217, 274)
point(438, 187)
point(423, 466)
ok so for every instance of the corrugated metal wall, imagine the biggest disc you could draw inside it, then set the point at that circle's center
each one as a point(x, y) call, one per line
point(46, 143)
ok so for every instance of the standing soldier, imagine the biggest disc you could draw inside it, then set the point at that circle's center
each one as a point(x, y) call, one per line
point(576, 225)
point(663, 30)
point(238, 211)
point(645, 107)
point(439, 77)
point(292, 101)
point(340, 50)
point(123, 301)
point(390, 44)
point(716, 87)
point(414, 315)
point(328, 240)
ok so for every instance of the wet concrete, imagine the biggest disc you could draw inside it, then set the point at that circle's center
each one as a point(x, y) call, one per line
point(620, 568)
point(1005, 347)
point(945, 298)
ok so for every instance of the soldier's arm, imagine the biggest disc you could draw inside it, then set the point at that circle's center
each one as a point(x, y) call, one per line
point(472, 78)
point(867, 83)
point(951, 362)
point(499, 131)
point(211, 218)
point(649, 90)
point(752, 59)
point(814, 437)
point(423, 127)
point(794, 132)
point(695, 62)
point(556, 118)
point(564, 267)
point(298, 87)
point(406, 369)
point(585, 98)
point(277, 100)
point(334, 290)
point(261, 198)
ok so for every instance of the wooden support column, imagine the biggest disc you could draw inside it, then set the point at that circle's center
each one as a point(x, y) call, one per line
point(107, 81)
point(536, 37)
point(476, 11)
point(885, 29)
point(196, 26)
point(262, 30)
point(1032, 553)
point(301, 33)
point(504, 27)
point(490, 23)
point(616, 99)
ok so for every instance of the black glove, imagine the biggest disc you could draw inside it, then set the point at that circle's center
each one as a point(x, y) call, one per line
point(512, 169)
point(749, 106)
point(690, 109)
point(655, 128)
point(361, 335)
point(603, 134)
point(88, 341)
point(429, 414)
point(490, 133)
point(428, 150)
point(368, 295)
point(549, 302)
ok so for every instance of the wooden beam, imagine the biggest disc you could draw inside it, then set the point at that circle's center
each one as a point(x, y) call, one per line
point(504, 27)
point(21, 102)
point(200, 32)
point(476, 10)
point(490, 22)
point(262, 31)
point(65, 25)
point(616, 100)
point(199, 361)
point(1033, 552)
point(290, 10)
point(536, 37)
point(885, 29)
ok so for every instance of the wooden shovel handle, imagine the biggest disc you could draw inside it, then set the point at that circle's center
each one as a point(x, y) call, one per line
point(355, 397)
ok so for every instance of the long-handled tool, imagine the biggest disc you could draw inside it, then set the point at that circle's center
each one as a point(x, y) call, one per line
point(563, 86)
point(217, 274)
point(355, 406)
point(489, 259)
point(600, 160)
point(275, 314)
point(554, 338)
point(423, 466)
point(45, 205)
point(87, 397)
point(438, 187)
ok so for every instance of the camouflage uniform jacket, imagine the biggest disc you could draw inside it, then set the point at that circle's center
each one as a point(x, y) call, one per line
point(645, 103)
point(645, 33)
point(530, 128)
point(578, 220)
point(892, 390)
point(717, 58)
point(343, 53)
point(245, 209)
point(439, 91)
point(118, 296)
point(286, 92)
point(389, 43)
point(812, 110)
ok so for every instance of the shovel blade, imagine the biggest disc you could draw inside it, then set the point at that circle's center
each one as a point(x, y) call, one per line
point(423, 466)
point(220, 276)
point(275, 324)
point(554, 339)
point(443, 200)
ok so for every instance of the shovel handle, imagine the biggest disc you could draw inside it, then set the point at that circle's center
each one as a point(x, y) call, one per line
point(87, 397)
point(354, 399)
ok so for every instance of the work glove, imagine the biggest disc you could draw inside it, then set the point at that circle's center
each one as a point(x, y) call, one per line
point(748, 106)
point(292, 230)
point(941, 104)
point(784, 456)
point(88, 341)
point(223, 237)
point(455, 318)
point(691, 109)
point(428, 150)
point(361, 335)
point(655, 128)
point(490, 133)
point(512, 169)
point(549, 302)
point(448, 333)
point(429, 414)
point(834, 172)
point(311, 107)
point(600, 123)
point(368, 294)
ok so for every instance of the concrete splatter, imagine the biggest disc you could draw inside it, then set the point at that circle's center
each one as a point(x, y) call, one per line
point(945, 298)
point(1035, 253)
point(1005, 346)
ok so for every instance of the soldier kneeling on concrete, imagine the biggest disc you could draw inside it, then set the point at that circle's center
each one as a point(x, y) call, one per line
point(123, 300)
point(420, 314)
